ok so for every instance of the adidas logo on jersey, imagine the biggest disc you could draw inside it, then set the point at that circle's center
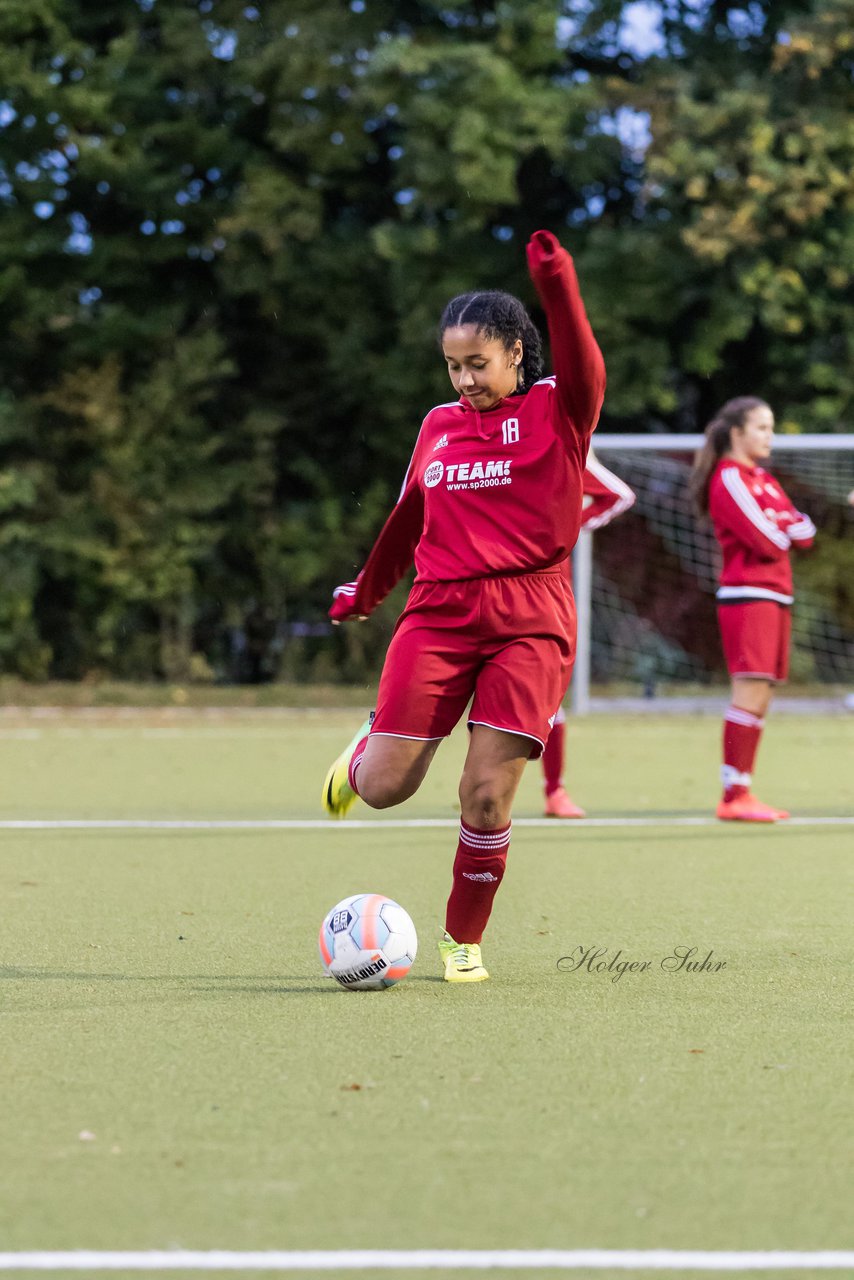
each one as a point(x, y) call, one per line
point(440, 444)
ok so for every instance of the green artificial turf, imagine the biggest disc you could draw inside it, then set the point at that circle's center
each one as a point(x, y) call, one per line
point(177, 1072)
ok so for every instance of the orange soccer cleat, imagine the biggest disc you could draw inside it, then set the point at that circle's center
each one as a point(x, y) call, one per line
point(559, 804)
point(746, 808)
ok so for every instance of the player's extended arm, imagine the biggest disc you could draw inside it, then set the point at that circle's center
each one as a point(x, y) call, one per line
point(605, 496)
point(578, 363)
point(388, 560)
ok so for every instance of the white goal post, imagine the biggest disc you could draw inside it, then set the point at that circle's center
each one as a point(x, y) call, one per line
point(644, 585)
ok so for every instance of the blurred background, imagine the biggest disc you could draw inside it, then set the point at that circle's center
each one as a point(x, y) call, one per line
point(227, 232)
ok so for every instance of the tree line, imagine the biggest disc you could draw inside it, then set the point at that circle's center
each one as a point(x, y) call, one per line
point(228, 230)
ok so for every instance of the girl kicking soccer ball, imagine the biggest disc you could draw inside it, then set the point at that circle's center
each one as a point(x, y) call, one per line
point(490, 510)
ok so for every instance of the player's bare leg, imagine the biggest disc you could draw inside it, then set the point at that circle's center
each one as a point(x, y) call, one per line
point(392, 768)
point(754, 695)
point(492, 772)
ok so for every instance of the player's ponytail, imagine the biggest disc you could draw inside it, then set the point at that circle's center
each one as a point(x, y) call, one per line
point(502, 316)
point(717, 444)
point(531, 368)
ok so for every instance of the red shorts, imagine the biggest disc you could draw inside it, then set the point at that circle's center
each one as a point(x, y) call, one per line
point(755, 637)
point(505, 643)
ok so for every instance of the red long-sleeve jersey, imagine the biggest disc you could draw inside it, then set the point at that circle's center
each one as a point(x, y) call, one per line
point(756, 525)
point(606, 496)
point(497, 491)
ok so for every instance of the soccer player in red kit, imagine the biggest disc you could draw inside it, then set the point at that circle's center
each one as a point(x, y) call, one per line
point(490, 509)
point(605, 497)
point(756, 526)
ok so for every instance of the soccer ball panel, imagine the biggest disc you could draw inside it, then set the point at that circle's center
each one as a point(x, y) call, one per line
point(369, 928)
point(400, 926)
point(400, 946)
point(325, 943)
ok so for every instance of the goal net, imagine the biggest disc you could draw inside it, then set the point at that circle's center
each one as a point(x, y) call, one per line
point(645, 585)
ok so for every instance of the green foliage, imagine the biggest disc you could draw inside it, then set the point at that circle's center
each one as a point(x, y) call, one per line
point(751, 161)
point(228, 231)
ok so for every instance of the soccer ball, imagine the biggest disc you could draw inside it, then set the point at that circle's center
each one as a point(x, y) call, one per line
point(367, 942)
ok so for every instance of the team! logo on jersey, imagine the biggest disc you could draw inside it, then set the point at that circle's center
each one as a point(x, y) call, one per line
point(469, 475)
point(470, 472)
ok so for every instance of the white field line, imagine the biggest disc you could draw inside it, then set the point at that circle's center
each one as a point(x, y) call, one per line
point(369, 824)
point(637, 1260)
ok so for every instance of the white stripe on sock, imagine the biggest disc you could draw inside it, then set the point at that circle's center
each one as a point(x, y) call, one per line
point(738, 715)
point(485, 841)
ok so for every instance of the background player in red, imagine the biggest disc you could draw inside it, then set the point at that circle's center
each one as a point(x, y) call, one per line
point(756, 526)
point(605, 497)
point(490, 508)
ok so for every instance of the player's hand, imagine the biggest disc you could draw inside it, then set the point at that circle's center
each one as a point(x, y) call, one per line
point(784, 518)
point(545, 242)
point(543, 249)
point(343, 604)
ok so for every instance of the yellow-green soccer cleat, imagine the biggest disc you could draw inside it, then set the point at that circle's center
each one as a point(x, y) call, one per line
point(338, 797)
point(462, 960)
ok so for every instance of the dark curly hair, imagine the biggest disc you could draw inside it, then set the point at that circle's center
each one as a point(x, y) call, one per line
point(499, 315)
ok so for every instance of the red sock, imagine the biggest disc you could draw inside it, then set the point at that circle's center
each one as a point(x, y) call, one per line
point(355, 761)
point(553, 758)
point(742, 731)
point(478, 871)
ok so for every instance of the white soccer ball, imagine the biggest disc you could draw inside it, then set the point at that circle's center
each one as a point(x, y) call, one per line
point(367, 942)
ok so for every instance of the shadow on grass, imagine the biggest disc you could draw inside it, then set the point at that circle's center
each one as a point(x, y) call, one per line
point(249, 984)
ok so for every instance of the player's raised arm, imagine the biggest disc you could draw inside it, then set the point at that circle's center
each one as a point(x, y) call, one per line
point(578, 363)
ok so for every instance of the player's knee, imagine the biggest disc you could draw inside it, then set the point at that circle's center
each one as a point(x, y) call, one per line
point(376, 795)
point(383, 791)
point(485, 802)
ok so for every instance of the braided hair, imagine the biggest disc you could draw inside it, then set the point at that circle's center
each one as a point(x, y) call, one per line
point(499, 315)
point(718, 442)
